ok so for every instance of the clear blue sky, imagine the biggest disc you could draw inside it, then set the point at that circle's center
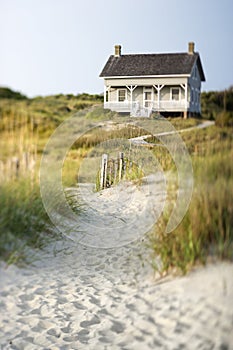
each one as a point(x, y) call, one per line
point(60, 46)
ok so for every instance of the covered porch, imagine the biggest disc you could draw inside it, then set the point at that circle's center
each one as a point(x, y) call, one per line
point(136, 98)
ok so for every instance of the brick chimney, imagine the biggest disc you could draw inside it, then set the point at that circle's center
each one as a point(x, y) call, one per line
point(191, 48)
point(117, 50)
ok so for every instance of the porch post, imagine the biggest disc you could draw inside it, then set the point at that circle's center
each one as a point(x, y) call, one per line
point(186, 95)
point(131, 88)
point(186, 100)
point(158, 88)
point(105, 94)
point(158, 97)
point(185, 87)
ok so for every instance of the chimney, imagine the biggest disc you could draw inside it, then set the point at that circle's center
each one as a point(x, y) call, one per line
point(117, 50)
point(191, 48)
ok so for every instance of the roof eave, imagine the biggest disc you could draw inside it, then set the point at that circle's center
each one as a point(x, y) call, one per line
point(145, 76)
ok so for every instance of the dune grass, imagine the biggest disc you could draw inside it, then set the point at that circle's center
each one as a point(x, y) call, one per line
point(23, 219)
point(181, 123)
point(25, 126)
point(89, 140)
point(206, 231)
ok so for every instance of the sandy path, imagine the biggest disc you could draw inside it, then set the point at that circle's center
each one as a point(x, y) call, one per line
point(140, 140)
point(86, 298)
point(79, 297)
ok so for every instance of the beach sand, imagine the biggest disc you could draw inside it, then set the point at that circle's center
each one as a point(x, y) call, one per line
point(74, 296)
point(85, 298)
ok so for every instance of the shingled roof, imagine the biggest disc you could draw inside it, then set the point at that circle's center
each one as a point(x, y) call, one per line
point(152, 64)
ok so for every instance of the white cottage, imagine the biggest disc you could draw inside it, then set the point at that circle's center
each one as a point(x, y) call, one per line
point(168, 83)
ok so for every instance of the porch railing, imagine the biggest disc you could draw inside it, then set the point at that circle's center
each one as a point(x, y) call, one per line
point(125, 106)
point(136, 108)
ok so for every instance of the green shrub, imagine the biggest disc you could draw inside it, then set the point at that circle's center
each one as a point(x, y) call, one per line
point(224, 119)
point(213, 102)
point(10, 94)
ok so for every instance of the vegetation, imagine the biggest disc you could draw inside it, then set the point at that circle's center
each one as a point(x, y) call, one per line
point(25, 126)
point(207, 228)
point(117, 171)
point(218, 105)
point(23, 219)
point(10, 94)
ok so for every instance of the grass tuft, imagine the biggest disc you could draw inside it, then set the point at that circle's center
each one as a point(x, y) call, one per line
point(23, 218)
point(207, 228)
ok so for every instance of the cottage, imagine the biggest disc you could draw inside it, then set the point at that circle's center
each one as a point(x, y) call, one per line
point(168, 83)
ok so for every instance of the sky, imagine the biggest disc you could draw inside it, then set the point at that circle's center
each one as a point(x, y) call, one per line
point(60, 46)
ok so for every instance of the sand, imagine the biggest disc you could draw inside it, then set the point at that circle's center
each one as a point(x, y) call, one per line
point(86, 298)
point(74, 296)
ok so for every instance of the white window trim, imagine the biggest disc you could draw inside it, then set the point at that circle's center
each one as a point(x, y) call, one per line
point(172, 88)
point(118, 91)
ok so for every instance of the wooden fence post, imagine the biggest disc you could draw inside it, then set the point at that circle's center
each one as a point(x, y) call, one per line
point(110, 170)
point(115, 170)
point(103, 171)
point(121, 161)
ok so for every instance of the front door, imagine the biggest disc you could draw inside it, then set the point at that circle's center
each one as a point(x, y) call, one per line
point(147, 97)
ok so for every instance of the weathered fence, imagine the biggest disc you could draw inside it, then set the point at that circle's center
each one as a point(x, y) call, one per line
point(14, 167)
point(113, 170)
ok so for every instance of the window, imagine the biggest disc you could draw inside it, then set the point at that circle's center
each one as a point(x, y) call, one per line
point(121, 95)
point(175, 94)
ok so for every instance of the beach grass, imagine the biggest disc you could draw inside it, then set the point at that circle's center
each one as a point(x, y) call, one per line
point(25, 126)
point(23, 218)
point(206, 231)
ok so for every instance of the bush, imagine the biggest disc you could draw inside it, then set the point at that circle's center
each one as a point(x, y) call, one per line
point(8, 93)
point(224, 119)
point(213, 102)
